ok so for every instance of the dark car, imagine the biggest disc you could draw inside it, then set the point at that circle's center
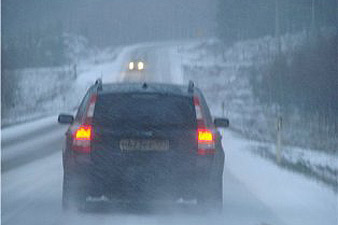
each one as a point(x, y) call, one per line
point(143, 142)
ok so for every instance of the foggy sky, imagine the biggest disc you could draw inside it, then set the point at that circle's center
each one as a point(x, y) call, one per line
point(112, 22)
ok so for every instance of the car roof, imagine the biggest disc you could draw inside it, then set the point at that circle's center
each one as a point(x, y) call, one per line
point(147, 87)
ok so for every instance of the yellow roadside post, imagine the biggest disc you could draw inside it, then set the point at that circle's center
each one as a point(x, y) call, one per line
point(278, 144)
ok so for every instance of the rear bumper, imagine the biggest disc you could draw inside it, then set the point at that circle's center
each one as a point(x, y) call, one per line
point(138, 185)
point(128, 180)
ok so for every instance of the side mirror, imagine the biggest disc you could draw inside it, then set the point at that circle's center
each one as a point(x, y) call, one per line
point(221, 122)
point(65, 119)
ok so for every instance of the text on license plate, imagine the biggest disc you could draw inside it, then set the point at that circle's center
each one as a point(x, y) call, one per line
point(127, 145)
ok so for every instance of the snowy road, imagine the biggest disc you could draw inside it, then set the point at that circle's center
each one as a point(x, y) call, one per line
point(31, 185)
point(31, 194)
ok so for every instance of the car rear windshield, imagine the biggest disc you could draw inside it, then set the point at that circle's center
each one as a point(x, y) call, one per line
point(144, 110)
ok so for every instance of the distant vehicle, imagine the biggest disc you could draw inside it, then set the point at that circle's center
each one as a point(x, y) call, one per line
point(137, 65)
point(143, 142)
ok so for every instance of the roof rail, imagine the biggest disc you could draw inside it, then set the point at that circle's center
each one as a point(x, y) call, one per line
point(98, 83)
point(191, 86)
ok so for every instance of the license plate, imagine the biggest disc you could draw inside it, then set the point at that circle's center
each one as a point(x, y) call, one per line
point(144, 145)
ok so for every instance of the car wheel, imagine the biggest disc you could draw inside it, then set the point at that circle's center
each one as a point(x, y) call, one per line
point(217, 198)
point(212, 197)
point(73, 197)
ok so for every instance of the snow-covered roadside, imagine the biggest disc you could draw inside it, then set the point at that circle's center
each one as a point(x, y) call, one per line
point(228, 82)
point(293, 197)
point(314, 164)
point(29, 94)
point(11, 133)
point(39, 92)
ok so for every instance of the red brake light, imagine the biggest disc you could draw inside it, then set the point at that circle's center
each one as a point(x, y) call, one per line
point(81, 139)
point(206, 144)
point(83, 133)
point(205, 135)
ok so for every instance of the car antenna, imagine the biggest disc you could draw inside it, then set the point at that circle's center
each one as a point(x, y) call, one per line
point(98, 83)
point(191, 86)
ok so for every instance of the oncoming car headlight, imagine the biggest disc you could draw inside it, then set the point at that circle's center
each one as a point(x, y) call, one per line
point(131, 66)
point(136, 65)
point(140, 65)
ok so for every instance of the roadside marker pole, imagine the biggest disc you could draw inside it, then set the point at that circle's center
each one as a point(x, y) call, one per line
point(278, 144)
point(223, 114)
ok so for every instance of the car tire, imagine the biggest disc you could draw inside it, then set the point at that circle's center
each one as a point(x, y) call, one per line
point(212, 197)
point(73, 197)
point(218, 195)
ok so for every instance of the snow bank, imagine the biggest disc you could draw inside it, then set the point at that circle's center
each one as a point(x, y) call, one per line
point(293, 197)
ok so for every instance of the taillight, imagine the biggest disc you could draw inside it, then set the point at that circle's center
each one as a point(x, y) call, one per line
point(205, 137)
point(81, 139)
point(83, 133)
point(206, 143)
